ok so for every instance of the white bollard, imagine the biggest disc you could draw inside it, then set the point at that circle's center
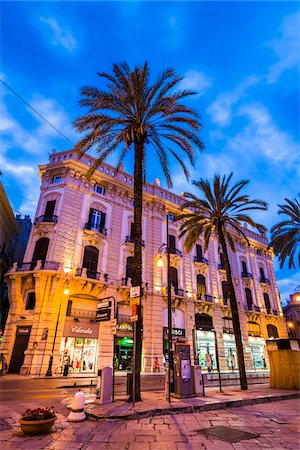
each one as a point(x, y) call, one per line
point(77, 413)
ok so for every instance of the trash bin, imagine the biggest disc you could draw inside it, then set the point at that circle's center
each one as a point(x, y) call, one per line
point(66, 370)
point(129, 384)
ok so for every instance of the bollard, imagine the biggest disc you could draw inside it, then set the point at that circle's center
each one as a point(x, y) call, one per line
point(77, 413)
point(98, 384)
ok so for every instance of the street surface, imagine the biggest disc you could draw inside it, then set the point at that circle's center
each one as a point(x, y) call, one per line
point(275, 425)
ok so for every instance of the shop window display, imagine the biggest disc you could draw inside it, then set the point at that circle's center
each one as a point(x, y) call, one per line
point(80, 353)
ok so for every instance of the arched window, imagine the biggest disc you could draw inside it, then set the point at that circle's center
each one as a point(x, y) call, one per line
point(267, 303)
point(90, 261)
point(249, 298)
point(203, 322)
point(227, 325)
point(129, 267)
point(253, 329)
point(201, 288)
point(40, 251)
point(272, 331)
point(174, 278)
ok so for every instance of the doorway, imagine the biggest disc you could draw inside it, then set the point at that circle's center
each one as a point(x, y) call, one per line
point(21, 343)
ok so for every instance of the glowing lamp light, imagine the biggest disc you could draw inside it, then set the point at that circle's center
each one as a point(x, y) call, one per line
point(290, 324)
point(160, 262)
point(66, 291)
point(157, 288)
point(67, 269)
point(189, 294)
point(216, 300)
point(297, 298)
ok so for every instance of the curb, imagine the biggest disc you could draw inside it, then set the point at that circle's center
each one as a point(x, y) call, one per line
point(191, 409)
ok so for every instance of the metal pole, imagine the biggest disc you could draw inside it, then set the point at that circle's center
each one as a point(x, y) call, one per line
point(169, 313)
point(49, 370)
point(217, 360)
point(133, 368)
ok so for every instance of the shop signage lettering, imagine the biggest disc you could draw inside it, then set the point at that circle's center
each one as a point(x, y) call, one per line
point(81, 330)
point(176, 332)
point(103, 315)
point(24, 330)
point(124, 327)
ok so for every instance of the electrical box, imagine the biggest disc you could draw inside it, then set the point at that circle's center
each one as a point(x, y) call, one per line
point(183, 373)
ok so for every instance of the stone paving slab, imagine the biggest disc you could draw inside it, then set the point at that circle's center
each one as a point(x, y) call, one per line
point(155, 404)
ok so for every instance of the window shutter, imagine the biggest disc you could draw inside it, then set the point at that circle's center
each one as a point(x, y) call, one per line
point(50, 206)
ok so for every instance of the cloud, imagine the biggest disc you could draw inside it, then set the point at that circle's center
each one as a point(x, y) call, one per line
point(262, 138)
point(61, 35)
point(221, 110)
point(197, 81)
point(286, 48)
point(287, 285)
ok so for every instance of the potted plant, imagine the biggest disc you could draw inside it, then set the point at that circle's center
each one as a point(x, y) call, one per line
point(37, 421)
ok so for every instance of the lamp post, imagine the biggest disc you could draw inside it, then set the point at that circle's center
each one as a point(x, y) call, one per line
point(160, 264)
point(49, 370)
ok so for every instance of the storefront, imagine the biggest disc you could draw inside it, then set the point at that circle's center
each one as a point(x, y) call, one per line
point(124, 346)
point(205, 349)
point(79, 345)
point(230, 351)
point(256, 345)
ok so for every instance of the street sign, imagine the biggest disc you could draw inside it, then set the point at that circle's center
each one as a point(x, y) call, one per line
point(134, 301)
point(104, 305)
point(135, 291)
point(102, 315)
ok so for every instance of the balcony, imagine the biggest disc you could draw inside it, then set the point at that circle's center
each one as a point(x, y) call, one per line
point(264, 280)
point(37, 265)
point(226, 302)
point(253, 308)
point(200, 259)
point(130, 240)
point(175, 251)
point(82, 314)
point(46, 219)
point(228, 330)
point(179, 292)
point(90, 227)
point(246, 275)
point(125, 282)
point(93, 274)
point(205, 298)
point(275, 312)
point(221, 266)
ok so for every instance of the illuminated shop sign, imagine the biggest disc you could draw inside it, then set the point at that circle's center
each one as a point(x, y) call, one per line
point(124, 327)
point(176, 332)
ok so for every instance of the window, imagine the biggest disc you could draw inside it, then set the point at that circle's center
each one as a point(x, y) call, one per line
point(244, 267)
point(227, 325)
point(129, 267)
point(201, 288)
point(40, 250)
point(203, 322)
point(262, 273)
point(99, 189)
point(132, 232)
point(267, 303)
point(174, 278)
point(222, 264)
point(90, 261)
point(57, 179)
point(199, 251)
point(30, 300)
point(97, 220)
point(253, 329)
point(50, 207)
point(249, 298)
point(225, 291)
point(272, 331)
point(69, 308)
point(172, 242)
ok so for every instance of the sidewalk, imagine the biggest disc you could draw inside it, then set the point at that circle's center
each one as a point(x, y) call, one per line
point(154, 403)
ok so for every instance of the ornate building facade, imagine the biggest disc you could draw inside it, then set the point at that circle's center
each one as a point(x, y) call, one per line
point(80, 251)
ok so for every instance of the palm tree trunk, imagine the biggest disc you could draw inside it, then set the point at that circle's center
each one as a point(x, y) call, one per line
point(137, 268)
point(234, 311)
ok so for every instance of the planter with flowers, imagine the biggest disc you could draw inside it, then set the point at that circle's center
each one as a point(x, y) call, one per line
point(37, 421)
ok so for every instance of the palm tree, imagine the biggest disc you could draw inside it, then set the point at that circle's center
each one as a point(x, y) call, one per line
point(220, 212)
point(134, 113)
point(285, 236)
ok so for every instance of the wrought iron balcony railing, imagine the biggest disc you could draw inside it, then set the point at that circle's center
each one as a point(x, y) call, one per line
point(205, 298)
point(200, 259)
point(50, 219)
point(246, 275)
point(264, 280)
point(130, 240)
point(33, 265)
point(221, 266)
point(82, 313)
point(80, 271)
point(91, 227)
point(228, 330)
point(175, 251)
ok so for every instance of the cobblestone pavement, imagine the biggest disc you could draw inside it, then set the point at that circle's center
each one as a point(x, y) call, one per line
point(276, 424)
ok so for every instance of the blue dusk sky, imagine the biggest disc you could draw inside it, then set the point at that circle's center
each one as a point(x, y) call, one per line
point(241, 57)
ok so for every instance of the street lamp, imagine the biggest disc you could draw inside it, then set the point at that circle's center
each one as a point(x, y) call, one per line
point(160, 264)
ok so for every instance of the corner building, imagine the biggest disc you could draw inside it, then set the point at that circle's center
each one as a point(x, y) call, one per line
point(80, 250)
